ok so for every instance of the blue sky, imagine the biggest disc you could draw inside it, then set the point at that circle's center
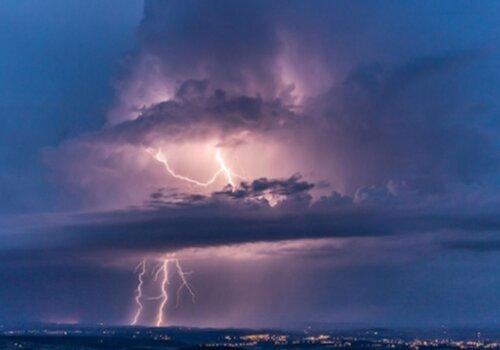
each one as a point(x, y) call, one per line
point(58, 63)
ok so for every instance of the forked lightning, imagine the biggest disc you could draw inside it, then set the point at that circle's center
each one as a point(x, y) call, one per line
point(161, 275)
point(223, 169)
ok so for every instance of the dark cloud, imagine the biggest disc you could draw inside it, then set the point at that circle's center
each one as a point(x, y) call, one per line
point(407, 124)
point(410, 122)
point(474, 246)
point(170, 221)
point(233, 44)
point(274, 187)
point(399, 135)
point(410, 119)
point(199, 110)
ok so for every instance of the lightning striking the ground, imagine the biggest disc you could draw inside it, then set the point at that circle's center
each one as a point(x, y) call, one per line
point(223, 169)
point(164, 293)
point(160, 274)
point(184, 283)
point(161, 277)
point(138, 291)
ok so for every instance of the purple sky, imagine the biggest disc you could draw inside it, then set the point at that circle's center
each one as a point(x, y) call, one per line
point(305, 161)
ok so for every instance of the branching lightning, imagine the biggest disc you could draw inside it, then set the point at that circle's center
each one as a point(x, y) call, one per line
point(223, 169)
point(159, 156)
point(161, 275)
point(184, 283)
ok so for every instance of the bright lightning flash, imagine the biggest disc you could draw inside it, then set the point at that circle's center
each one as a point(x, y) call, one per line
point(164, 294)
point(162, 276)
point(184, 283)
point(138, 291)
point(223, 169)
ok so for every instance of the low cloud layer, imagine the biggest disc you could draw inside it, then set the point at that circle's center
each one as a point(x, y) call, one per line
point(261, 211)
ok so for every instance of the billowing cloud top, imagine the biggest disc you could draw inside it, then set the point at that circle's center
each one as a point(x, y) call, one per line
point(249, 95)
point(244, 122)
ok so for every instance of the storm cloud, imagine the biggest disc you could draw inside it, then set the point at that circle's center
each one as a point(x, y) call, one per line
point(327, 143)
point(360, 136)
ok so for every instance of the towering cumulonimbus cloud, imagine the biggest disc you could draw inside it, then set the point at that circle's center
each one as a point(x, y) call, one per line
point(241, 48)
point(359, 137)
point(259, 90)
point(234, 92)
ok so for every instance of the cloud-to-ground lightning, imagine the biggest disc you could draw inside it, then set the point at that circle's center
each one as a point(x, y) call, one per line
point(161, 275)
point(184, 283)
point(223, 169)
point(138, 291)
point(164, 293)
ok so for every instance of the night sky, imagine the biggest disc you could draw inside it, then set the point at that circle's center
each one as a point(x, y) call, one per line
point(303, 161)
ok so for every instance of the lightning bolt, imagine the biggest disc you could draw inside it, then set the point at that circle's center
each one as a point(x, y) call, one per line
point(159, 156)
point(223, 169)
point(160, 274)
point(184, 283)
point(138, 291)
point(164, 294)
